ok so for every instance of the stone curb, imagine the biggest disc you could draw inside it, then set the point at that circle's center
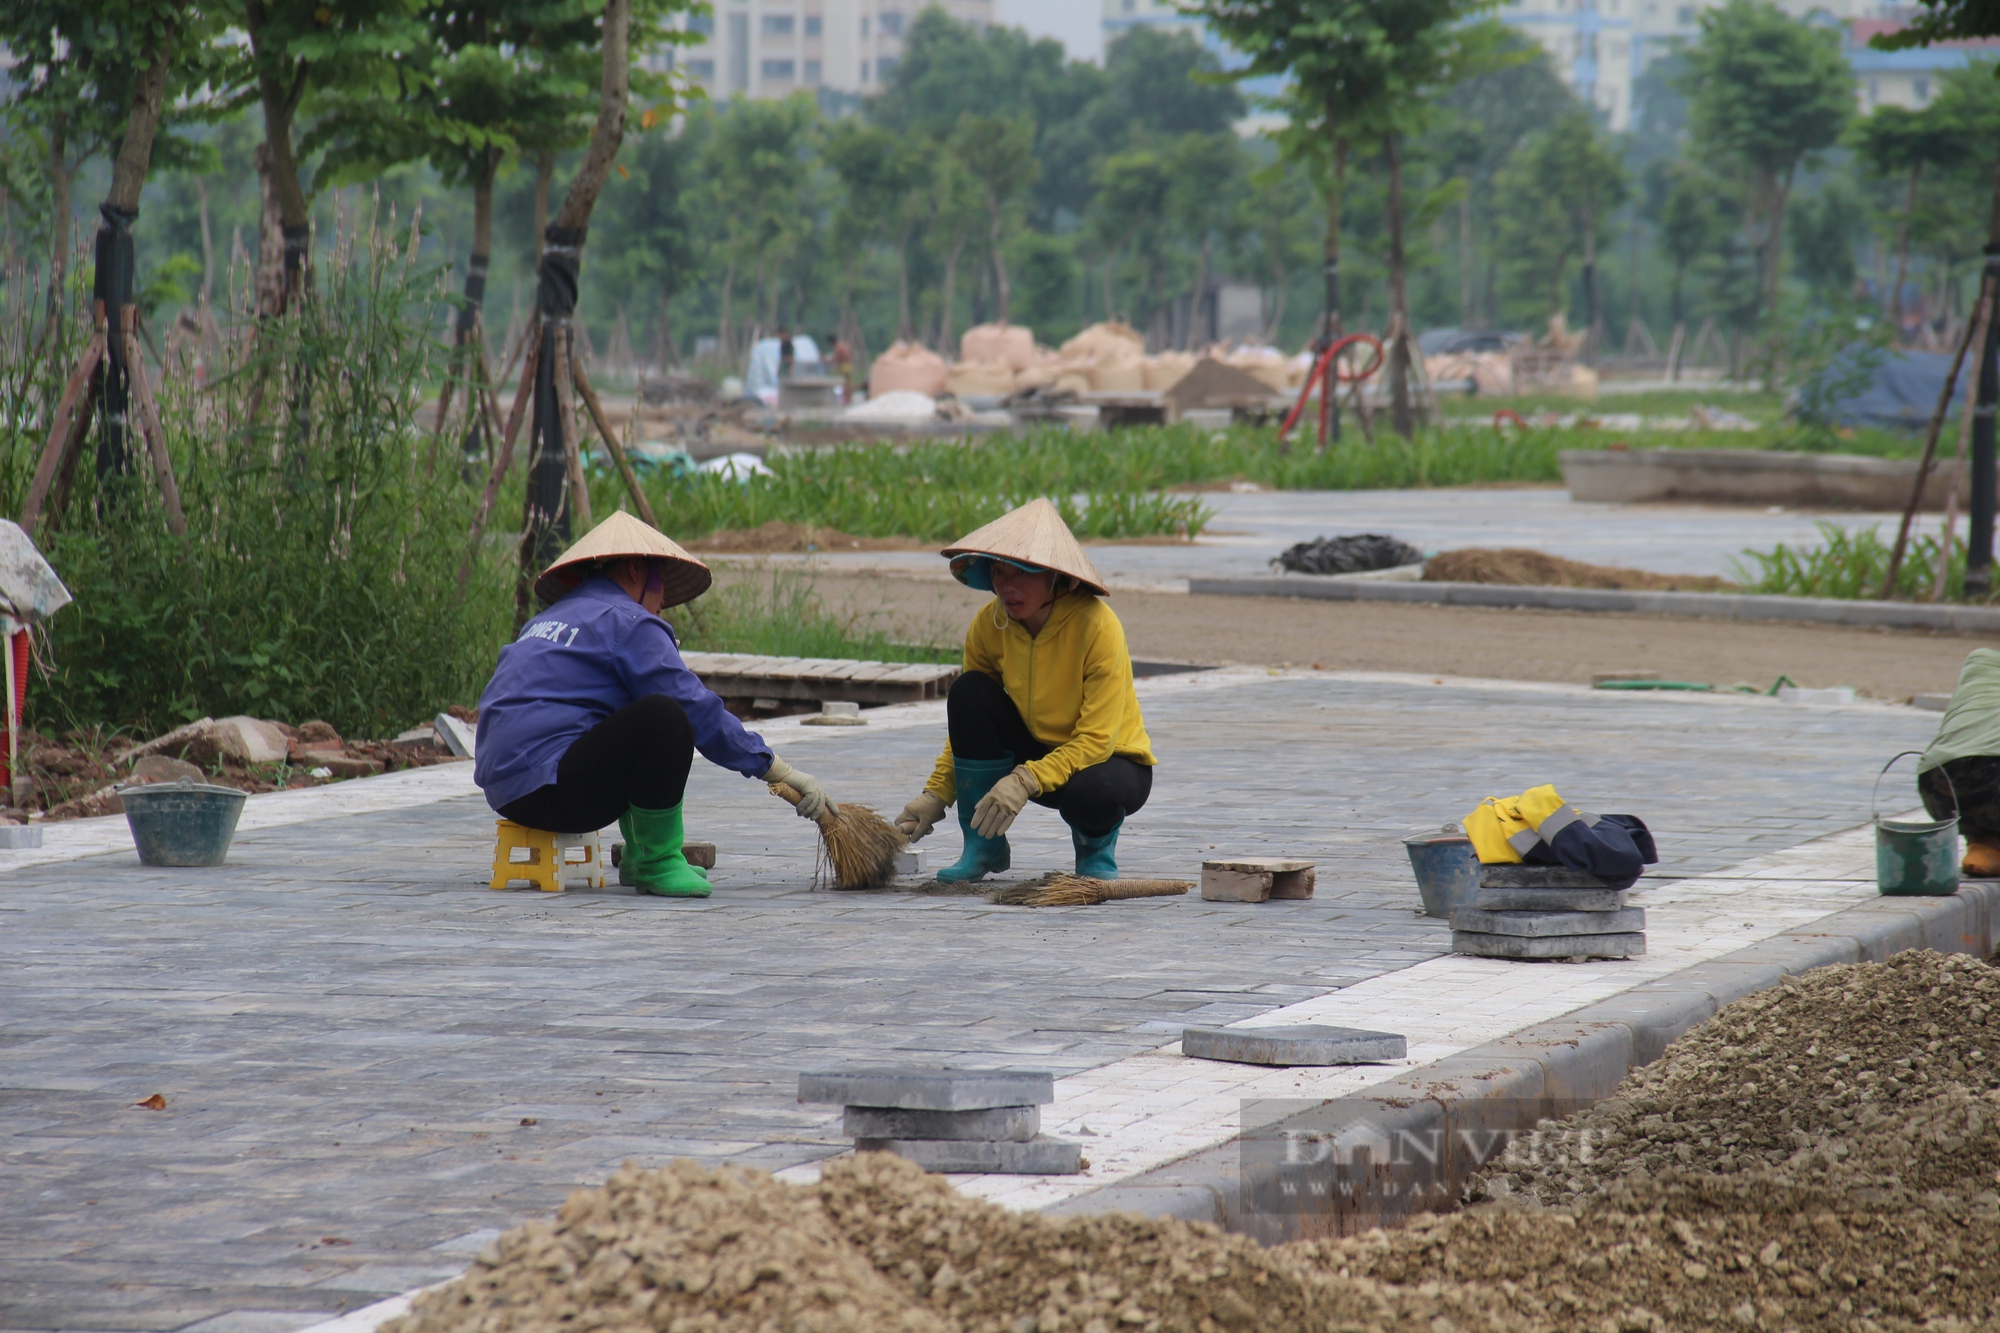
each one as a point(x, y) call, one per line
point(1544, 1071)
point(1700, 605)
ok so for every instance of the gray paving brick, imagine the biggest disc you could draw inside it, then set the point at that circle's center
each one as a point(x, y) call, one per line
point(353, 981)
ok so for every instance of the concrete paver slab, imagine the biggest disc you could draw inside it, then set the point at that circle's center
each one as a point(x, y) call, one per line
point(369, 1056)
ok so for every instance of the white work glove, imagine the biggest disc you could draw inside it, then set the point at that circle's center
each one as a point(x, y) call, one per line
point(814, 797)
point(996, 810)
point(920, 816)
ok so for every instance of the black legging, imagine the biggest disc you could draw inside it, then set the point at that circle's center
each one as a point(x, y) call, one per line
point(1969, 788)
point(640, 755)
point(985, 724)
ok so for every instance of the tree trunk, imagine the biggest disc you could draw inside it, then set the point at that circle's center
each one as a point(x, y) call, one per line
point(1110, 268)
point(59, 221)
point(207, 241)
point(1331, 327)
point(1280, 280)
point(1465, 258)
point(1002, 294)
point(280, 101)
point(609, 132)
point(1979, 511)
point(545, 178)
point(1197, 294)
point(1774, 240)
point(904, 329)
point(1591, 315)
point(1400, 417)
point(946, 314)
point(551, 495)
point(725, 335)
point(1903, 249)
point(270, 284)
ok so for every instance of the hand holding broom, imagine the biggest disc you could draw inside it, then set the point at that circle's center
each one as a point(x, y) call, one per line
point(861, 844)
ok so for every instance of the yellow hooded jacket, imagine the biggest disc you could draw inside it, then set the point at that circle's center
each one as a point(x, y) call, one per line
point(1505, 827)
point(1072, 683)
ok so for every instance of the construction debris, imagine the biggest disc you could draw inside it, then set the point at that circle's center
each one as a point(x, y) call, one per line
point(76, 775)
point(1359, 553)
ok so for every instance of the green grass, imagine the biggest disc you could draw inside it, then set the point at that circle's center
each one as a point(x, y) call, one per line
point(1764, 408)
point(1850, 564)
point(779, 612)
point(1109, 486)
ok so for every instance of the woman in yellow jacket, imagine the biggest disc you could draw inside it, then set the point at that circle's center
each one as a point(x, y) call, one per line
point(1044, 710)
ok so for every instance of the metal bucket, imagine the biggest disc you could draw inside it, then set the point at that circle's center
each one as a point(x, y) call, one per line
point(1447, 871)
point(184, 823)
point(1915, 858)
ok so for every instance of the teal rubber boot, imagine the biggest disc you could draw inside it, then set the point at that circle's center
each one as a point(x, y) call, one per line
point(653, 854)
point(982, 856)
point(1097, 858)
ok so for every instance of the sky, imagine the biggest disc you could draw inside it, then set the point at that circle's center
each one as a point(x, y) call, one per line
point(1077, 24)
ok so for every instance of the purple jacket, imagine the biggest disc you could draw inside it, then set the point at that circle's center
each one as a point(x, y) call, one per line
point(574, 665)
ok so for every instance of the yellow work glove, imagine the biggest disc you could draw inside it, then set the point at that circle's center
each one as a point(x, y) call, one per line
point(920, 816)
point(805, 784)
point(996, 810)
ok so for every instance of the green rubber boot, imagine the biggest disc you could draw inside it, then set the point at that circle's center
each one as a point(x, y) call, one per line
point(981, 856)
point(1096, 858)
point(653, 854)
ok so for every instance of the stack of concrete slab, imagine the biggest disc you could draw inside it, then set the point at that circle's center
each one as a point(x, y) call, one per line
point(971, 1121)
point(1524, 911)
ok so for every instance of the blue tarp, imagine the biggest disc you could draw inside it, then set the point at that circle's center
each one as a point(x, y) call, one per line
point(1865, 386)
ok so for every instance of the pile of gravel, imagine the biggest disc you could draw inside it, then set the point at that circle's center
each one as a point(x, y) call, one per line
point(1821, 1156)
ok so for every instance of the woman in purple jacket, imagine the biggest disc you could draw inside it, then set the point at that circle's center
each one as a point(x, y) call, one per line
point(592, 716)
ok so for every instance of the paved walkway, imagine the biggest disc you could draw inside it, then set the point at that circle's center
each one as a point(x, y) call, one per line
point(350, 1029)
point(1249, 530)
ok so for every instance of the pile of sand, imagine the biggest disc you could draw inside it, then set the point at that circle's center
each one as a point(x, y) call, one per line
point(1822, 1156)
point(1539, 569)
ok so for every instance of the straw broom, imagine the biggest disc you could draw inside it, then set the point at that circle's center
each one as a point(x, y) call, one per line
point(860, 844)
point(1076, 891)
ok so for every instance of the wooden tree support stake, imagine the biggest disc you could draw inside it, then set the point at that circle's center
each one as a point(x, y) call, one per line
point(612, 443)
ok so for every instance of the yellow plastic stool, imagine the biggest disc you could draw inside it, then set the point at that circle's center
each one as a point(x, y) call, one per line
point(549, 861)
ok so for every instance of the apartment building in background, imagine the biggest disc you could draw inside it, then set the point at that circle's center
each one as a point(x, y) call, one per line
point(774, 48)
point(1601, 47)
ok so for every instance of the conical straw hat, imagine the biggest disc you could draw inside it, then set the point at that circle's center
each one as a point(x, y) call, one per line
point(1034, 534)
point(621, 535)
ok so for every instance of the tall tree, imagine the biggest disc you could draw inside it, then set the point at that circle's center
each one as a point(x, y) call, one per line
point(1681, 203)
point(998, 153)
point(1208, 174)
point(294, 47)
point(1954, 20)
point(1765, 91)
point(1900, 142)
point(884, 179)
point(1127, 217)
point(1360, 69)
point(1555, 200)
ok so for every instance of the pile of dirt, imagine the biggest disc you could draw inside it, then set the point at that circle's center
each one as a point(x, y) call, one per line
point(780, 538)
point(879, 1246)
point(1821, 1156)
point(1539, 569)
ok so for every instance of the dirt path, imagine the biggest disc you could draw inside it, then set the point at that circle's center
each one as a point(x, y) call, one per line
point(1460, 641)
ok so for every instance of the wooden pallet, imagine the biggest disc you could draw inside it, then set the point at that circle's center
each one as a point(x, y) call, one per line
point(749, 676)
